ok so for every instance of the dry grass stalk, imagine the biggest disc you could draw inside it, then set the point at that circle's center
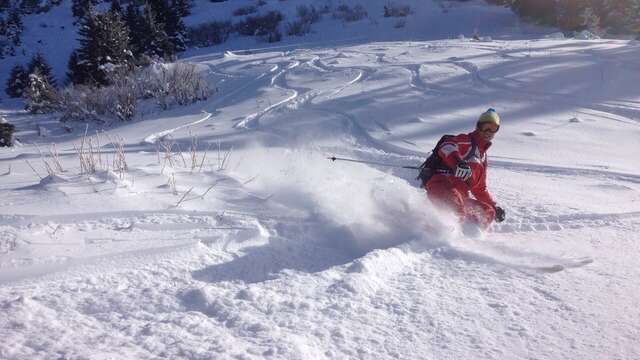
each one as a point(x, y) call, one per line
point(167, 148)
point(183, 197)
point(87, 155)
point(55, 156)
point(193, 153)
point(119, 157)
point(34, 170)
point(47, 166)
point(203, 195)
point(223, 158)
point(206, 192)
point(172, 184)
point(204, 156)
point(184, 161)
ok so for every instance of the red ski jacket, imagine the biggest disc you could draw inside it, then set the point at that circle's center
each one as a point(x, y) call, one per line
point(455, 149)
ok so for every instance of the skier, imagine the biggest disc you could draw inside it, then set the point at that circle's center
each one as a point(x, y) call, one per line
point(460, 168)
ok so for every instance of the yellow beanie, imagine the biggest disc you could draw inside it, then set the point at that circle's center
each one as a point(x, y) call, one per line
point(489, 116)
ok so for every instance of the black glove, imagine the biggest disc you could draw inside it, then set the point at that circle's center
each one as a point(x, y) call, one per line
point(462, 171)
point(500, 214)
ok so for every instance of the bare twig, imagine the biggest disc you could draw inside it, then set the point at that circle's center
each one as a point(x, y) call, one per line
point(201, 196)
point(209, 189)
point(56, 158)
point(119, 158)
point(193, 155)
point(168, 154)
point(250, 180)
point(204, 156)
point(184, 162)
point(172, 184)
point(222, 162)
point(87, 156)
point(183, 197)
point(47, 167)
point(34, 170)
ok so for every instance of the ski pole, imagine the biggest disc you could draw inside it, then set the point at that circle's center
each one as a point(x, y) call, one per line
point(333, 158)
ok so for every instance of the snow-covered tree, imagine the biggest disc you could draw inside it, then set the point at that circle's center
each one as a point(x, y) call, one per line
point(40, 96)
point(174, 26)
point(167, 16)
point(133, 19)
point(38, 62)
point(104, 46)
point(154, 40)
point(17, 81)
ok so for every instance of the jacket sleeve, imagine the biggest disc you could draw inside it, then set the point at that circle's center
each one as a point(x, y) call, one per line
point(449, 152)
point(480, 191)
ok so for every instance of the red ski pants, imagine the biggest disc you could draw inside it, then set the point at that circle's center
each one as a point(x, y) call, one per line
point(442, 191)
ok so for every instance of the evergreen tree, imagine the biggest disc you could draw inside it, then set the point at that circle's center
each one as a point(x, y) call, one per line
point(175, 28)
point(540, 9)
point(29, 6)
point(104, 46)
point(81, 8)
point(40, 96)
point(160, 8)
point(3, 37)
point(632, 16)
point(39, 63)
point(590, 20)
point(614, 16)
point(182, 8)
point(134, 21)
point(154, 40)
point(75, 71)
point(4, 5)
point(17, 81)
point(14, 29)
point(167, 17)
point(116, 7)
point(569, 14)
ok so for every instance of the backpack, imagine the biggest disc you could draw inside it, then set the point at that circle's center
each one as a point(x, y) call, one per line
point(434, 165)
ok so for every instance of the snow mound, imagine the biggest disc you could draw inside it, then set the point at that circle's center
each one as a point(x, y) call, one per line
point(555, 36)
point(586, 35)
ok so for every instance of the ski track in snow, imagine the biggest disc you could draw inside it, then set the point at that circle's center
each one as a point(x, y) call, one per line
point(153, 138)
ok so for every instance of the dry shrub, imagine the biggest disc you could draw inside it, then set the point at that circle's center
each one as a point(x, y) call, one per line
point(350, 14)
point(168, 84)
point(172, 84)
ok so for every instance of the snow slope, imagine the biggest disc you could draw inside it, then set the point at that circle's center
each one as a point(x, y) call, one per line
point(54, 33)
point(257, 246)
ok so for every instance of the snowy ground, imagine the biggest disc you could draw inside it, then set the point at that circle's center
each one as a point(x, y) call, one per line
point(259, 247)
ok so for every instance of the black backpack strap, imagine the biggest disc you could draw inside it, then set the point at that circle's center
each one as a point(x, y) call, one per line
point(433, 163)
point(472, 153)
